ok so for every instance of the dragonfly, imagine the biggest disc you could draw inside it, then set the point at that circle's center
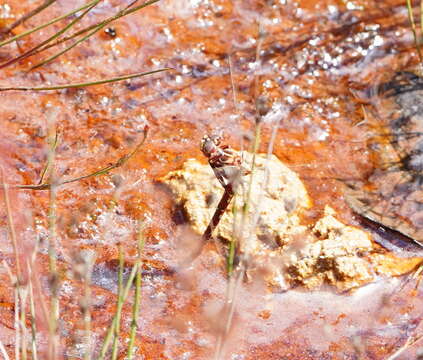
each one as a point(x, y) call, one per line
point(226, 165)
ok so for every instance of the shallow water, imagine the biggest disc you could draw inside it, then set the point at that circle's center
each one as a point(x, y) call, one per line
point(319, 66)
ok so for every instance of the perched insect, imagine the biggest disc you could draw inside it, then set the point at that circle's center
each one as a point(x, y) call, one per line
point(225, 162)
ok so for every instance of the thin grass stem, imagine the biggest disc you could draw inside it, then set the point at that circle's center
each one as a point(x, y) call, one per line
point(23, 294)
point(18, 283)
point(100, 26)
point(13, 281)
point(11, 227)
point(421, 21)
point(81, 85)
point(232, 243)
point(54, 278)
point(110, 331)
point(3, 351)
point(48, 166)
point(121, 161)
point(53, 37)
point(86, 307)
point(235, 281)
point(42, 26)
point(410, 341)
point(52, 246)
point(85, 30)
point(116, 333)
point(17, 325)
point(137, 296)
point(34, 351)
point(414, 30)
point(29, 15)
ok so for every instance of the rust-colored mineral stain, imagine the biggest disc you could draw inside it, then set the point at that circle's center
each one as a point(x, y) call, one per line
point(319, 66)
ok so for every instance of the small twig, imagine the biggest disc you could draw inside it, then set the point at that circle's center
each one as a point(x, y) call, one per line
point(81, 85)
point(121, 161)
point(29, 15)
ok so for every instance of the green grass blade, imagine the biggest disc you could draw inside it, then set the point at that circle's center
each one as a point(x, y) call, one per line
point(137, 296)
point(120, 162)
point(116, 331)
point(81, 85)
point(421, 22)
point(110, 331)
point(29, 15)
point(34, 351)
point(42, 26)
point(51, 38)
point(414, 30)
point(78, 33)
point(52, 246)
point(100, 26)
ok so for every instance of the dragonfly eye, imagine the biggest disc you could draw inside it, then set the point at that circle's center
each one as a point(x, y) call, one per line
point(207, 145)
point(216, 139)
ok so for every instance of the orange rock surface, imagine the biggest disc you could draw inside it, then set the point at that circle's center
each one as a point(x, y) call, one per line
point(317, 63)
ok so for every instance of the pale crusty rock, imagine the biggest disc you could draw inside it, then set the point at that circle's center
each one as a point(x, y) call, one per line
point(336, 257)
point(331, 252)
point(280, 204)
